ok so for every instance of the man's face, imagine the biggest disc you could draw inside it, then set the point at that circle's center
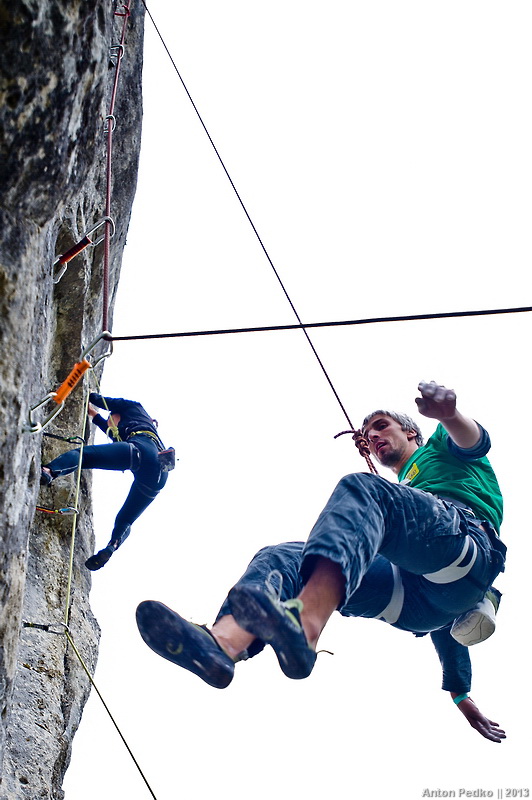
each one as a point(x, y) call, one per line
point(391, 446)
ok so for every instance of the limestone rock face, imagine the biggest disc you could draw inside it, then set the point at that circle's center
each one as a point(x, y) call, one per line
point(56, 79)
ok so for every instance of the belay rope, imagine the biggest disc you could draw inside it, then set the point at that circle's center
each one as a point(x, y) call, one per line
point(263, 247)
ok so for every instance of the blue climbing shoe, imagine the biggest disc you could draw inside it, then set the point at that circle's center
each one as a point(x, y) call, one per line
point(184, 643)
point(46, 477)
point(99, 560)
point(260, 612)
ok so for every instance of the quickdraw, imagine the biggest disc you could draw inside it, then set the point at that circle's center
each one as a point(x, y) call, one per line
point(66, 512)
point(48, 627)
point(86, 241)
point(59, 396)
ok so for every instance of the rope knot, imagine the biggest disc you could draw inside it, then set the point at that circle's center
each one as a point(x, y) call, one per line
point(362, 443)
point(363, 447)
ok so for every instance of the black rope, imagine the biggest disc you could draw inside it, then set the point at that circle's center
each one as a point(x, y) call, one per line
point(301, 326)
point(368, 321)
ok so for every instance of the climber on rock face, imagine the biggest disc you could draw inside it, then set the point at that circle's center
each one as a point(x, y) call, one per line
point(136, 447)
point(420, 554)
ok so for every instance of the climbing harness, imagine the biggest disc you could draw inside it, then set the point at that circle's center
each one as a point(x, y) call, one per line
point(147, 433)
point(166, 456)
point(59, 396)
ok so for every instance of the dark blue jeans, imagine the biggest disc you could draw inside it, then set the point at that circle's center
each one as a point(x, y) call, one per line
point(139, 456)
point(391, 541)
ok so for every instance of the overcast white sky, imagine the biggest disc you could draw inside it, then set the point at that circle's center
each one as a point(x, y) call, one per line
point(383, 153)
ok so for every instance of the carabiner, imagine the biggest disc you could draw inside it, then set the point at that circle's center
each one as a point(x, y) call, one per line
point(65, 512)
point(93, 344)
point(81, 245)
point(35, 427)
point(102, 221)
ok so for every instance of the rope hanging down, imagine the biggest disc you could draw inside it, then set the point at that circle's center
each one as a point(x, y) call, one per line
point(116, 53)
point(292, 306)
point(61, 629)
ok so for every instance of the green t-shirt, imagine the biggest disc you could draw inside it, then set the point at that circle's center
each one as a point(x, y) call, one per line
point(435, 469)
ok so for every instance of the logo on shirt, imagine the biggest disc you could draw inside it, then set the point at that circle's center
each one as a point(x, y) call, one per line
point(411, 474)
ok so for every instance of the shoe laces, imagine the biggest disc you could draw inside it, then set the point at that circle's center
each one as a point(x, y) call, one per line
point(294, 604)
point(271, 588)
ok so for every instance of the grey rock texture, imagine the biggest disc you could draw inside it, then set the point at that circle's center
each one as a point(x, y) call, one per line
point(56, 78)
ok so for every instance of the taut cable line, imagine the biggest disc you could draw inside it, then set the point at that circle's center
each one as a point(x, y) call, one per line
point(344, 323)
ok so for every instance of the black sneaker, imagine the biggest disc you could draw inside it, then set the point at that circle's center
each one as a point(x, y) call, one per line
point(184, 643)
point(278, 623)
point(99, 560)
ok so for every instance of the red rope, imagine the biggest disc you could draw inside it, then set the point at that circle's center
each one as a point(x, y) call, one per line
point(110, 129)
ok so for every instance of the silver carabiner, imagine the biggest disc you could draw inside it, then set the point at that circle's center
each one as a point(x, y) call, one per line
point(84, 242)
point(35, 427)
point(102, 221)
point(93, 345)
